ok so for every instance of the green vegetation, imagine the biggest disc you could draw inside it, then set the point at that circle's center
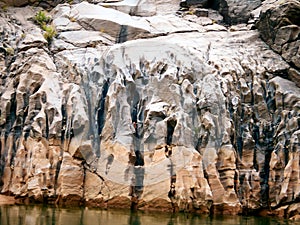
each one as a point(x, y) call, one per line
point(191, 12)
point(9, 51)
point(50, 32)
point(5, 8)
point(43, 19)
point(72, 19)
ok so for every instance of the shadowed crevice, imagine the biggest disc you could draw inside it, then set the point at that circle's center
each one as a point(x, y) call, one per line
point(171, 124)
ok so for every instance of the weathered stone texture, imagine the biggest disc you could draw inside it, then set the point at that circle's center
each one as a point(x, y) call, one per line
point(236, 11)
point(279, 27)
point(163, 112)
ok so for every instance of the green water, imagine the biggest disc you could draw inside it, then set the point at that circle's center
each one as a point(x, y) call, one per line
point(34, 215)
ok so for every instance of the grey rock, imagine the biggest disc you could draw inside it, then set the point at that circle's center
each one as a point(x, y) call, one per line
point(236, 11)
point(279, 27)
point(181, 111)
point(84, 38)
point(144, 7)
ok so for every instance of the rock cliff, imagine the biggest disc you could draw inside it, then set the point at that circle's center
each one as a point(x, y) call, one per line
point(154, 105)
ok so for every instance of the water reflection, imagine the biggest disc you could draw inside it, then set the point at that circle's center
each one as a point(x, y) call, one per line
point(34, 215)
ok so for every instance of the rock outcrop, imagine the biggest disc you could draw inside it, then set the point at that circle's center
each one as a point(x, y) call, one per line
point(235, 11)
point(280, 27)
point(156, 112)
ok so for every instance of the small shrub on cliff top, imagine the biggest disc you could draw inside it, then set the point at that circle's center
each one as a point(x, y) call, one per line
point(42, 18)
point(4, 8)
point(9, 51)
point(50, 32)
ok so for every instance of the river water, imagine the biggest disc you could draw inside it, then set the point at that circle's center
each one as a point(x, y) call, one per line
point(37, 215)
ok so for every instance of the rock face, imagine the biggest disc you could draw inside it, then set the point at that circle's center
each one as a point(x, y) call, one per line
point(236, 11)
point(233, 11)
point(280, 27)
point(161, 112)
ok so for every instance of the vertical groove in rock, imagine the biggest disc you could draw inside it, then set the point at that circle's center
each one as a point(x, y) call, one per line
point(171, 124)
point(122, 37)
point(101, 108)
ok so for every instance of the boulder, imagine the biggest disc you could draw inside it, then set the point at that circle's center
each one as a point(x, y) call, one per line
point(84, 20)
point(98, 18)
point(144, 7)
